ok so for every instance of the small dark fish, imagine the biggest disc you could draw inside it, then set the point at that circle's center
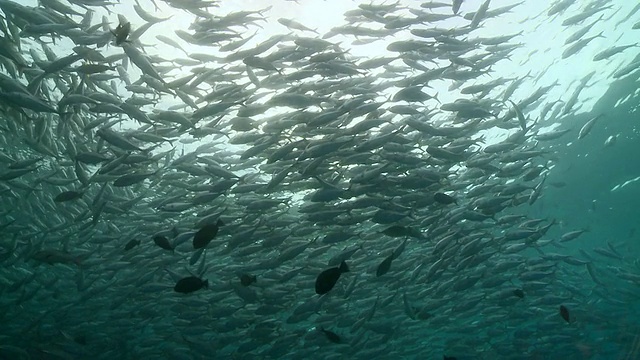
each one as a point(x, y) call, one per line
point(443, 198)
point(402, 231)
point(204, 236)
point(449, 358)
point(131, 244)
point(68, 196)
point(397, 231)
point(328, 278)
point(384, 266)
point(333, 337)
point(122, 32)
point(564, 312)
point(52, 256)
point(190, 284)
point(247, 279)
point(519, 293)
point(163, 242)
point(80, 339)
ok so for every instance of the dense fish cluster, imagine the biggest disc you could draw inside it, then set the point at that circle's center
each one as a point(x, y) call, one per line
point(285, 198)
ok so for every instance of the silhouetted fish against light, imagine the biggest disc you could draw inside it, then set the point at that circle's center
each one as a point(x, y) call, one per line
point(327, 279)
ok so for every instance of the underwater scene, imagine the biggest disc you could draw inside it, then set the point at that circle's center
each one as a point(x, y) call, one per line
point(319, 179)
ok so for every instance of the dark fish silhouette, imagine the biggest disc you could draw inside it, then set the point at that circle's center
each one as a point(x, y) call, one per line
point(52, 256)
point(163, 242)
point(384, 266)
point(328, 278)
point(131, 244)
point(204, 236)
point(333, 337)
point(190, 284)
point(443, 198)
point(519, 293)
point(80, 339)
point(68, 196)
point(247, 279)
point(122, 32)
point(397, 231)
point(564, 312)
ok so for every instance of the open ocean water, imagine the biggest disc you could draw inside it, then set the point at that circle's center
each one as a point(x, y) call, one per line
point(200, 179)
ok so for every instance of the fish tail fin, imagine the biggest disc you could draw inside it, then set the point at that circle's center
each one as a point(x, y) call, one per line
point(344, 267)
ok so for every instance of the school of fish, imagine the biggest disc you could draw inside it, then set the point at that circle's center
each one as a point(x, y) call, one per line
point(285, 199)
